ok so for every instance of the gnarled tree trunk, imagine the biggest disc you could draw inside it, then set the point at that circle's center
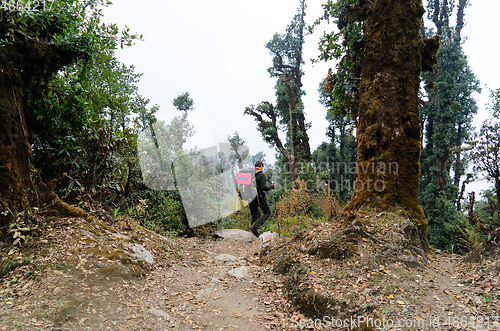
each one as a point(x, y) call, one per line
point(16, 159)
point(388, 128)
point(26, 64)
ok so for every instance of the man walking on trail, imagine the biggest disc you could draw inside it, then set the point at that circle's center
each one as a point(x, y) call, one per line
point(260, 200)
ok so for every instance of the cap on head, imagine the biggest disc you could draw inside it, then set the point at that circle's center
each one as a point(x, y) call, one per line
point(259, 164)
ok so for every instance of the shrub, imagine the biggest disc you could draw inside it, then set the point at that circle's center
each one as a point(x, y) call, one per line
point(300, 209)
point(290, 226)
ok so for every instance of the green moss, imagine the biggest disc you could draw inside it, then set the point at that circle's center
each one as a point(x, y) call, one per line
point(389, 123)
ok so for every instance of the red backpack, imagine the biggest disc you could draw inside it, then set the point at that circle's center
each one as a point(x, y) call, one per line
point(247, 186)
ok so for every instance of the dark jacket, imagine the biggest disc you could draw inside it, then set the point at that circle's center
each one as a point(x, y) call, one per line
point(262, 184)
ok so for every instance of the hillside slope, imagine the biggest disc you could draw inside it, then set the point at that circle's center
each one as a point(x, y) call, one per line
point(89, 275)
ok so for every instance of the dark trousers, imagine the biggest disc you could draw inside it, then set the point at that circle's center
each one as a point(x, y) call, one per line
point(261, 202)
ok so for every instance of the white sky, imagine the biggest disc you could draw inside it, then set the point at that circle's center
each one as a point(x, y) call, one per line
point(215, 51)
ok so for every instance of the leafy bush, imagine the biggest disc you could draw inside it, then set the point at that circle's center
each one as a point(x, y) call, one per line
point(162, 212)
point(290, 226)
point(231, 223)
point(300, 209)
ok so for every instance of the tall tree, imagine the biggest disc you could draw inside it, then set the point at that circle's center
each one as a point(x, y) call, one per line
point(484, 149)
point(495, 95)
point(238, 151)
point(339, 155)
point(287, 52)
point(184, 103)
point(388, 120)
point(34, 46)
point(447, 118)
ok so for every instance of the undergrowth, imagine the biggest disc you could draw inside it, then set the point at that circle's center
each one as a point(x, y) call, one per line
point(301, 209)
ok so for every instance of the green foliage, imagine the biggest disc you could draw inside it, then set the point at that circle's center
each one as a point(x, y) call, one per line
point(470, 235)
point(11, 263)
point(337, 158)
point(287, 48)
point(161, 212)
point(495, 107)
point(183, 102)
point(70, 26)
point(447, 121)
point(18, 229)
point(301, 209)
point(343, 46)
point(441, 215)
point(84, 120)
point(80, 127)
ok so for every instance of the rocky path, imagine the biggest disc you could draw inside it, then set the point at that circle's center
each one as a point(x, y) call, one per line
point(76, 279)
point(221, 285)
point(203, 285)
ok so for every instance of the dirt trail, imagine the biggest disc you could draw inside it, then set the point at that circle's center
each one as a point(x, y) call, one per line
point(451, 295)
point(203, 284)
point(211, 291)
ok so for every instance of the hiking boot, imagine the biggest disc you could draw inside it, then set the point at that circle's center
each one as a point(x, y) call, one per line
point(255, 232)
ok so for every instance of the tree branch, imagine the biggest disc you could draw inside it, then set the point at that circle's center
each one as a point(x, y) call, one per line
point(264, 124)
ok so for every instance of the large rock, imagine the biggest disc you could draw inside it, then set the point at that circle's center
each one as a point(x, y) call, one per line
point(236, 234)
point(141, 253)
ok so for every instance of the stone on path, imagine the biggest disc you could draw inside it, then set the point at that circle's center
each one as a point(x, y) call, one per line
point(141, 253)
point(240, 273)
point(225, 258)
point(268, 236)
point(236, 234)
point(160, 313)
point(204, 293)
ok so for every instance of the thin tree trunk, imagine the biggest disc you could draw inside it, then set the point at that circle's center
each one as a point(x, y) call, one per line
point(497, 191)
point(303, 143)
point(460, 20)
point(292, 128)
point(459, 169)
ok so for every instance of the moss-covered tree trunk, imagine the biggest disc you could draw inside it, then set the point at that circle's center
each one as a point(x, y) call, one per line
point(388, 128)
point(26, 64)
point(16, 159)
point(21, 187)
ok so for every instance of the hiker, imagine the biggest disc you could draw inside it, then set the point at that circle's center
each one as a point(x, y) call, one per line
point(260, 200)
